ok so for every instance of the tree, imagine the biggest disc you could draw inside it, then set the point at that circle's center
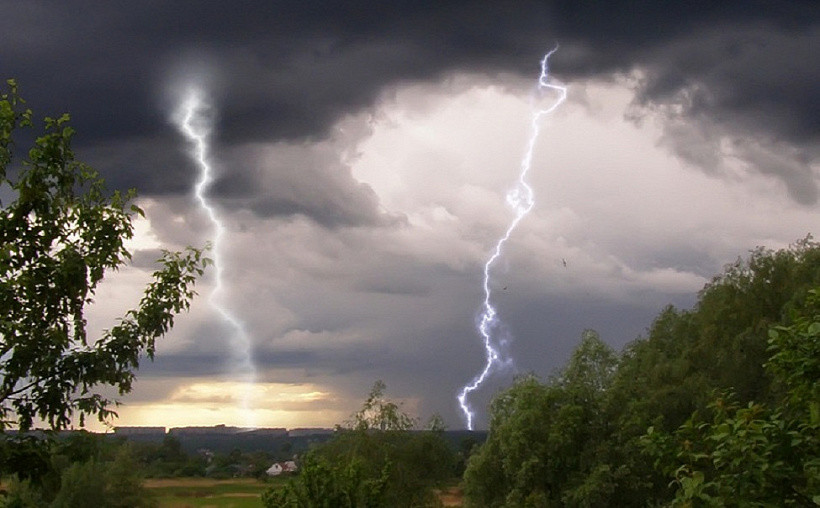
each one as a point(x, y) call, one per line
point(755, 455)
point(59, 235)
point(324, 485)
point(581, 438)
point(376, 460)
point(718, 347)
point(381, 413)
point(545, 439)
point(110, 484)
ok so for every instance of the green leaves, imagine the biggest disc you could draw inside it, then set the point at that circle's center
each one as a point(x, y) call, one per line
point(59, 236)
point(380, 413)
point(377, 460)
point(723, 430)
point(321, 484)
point(744, 455)
point(754, 455)
point(544, 442)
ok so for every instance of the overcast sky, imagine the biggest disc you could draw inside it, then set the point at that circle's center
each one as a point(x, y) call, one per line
point(362, 154)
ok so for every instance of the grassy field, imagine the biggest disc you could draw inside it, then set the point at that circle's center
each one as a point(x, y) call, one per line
point(205, 492)
point(235, 493)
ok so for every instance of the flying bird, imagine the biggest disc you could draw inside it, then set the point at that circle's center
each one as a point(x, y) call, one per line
point(564, 261)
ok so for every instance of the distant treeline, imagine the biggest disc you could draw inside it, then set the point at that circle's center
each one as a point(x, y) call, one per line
point(296, 445)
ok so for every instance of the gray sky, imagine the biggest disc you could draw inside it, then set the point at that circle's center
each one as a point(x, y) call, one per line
point(363, 152)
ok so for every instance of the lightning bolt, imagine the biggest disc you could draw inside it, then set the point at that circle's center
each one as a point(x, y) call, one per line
point(194, 123)
point(521, 198)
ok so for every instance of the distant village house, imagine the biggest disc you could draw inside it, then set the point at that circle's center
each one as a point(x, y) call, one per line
point(278, 468)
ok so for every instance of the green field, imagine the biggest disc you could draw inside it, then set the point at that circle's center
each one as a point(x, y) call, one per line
point(235, 493)
point(205, 492)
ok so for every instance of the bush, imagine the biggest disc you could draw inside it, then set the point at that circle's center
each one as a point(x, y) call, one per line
point(321, 484)
point(377, 460)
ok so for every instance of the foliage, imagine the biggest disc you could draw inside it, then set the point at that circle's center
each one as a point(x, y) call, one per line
point(124, 481)
point(795, 360)
point(746, 455)
point(719, 346)
point(380, 413)
point(111, 485)
point(75, 470)
point(755, 455)
point(167, 459)
point(58, 237)
point(581, 438)
point(21, 494)
point(26, 455)
point(322, 484)
point(544, 438)
point(377, 459)
point(80, 482)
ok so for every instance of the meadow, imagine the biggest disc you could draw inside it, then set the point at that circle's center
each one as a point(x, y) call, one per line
point(207, 492)
point(234, 493)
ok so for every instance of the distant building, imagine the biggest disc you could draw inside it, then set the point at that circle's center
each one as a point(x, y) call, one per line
point(266, 431)
point(309, 432)
point(139, 431)
point(278, 468)
point(222, 430)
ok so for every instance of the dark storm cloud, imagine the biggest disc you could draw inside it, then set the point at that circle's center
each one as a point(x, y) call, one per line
point(333, 361)
point(156, 165)
point(196, 364)
point(296, 180)
point(754, 86)
point(288, 70)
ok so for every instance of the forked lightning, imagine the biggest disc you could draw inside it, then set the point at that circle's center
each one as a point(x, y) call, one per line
point(521, 199)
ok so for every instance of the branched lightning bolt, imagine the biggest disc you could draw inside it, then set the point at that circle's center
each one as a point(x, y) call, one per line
point(521, 199)
point(193, 122)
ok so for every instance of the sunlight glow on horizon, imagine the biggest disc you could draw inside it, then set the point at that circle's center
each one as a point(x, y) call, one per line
point(210, 403)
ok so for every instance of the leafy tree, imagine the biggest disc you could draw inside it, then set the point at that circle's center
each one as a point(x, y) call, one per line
point(75, 472)
point(38, 461)
point(124, 481)
point(324, 485)
point(58, 236)
point(719, 346)
point(380, 413)
point(755, 455)
point(377, 459)
point(744, 456)
point(82, 482)
point(21, 494)
point(28, 460)
point(795, 361)
point(545, 438)
point(581, 438)
point(115, 484)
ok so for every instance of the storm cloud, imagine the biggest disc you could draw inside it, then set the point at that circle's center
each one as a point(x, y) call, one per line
point(286, 71)
point(362, 150)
